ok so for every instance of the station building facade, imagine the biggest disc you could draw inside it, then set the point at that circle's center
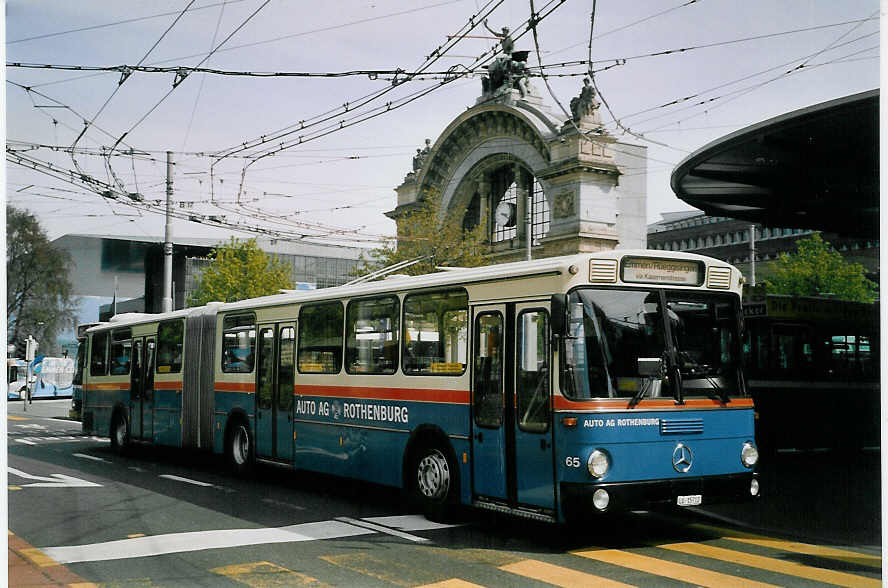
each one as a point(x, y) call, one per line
point(536, 181)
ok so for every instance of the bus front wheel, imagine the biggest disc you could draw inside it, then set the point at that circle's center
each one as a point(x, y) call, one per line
point(240, 449)
point(435, 482)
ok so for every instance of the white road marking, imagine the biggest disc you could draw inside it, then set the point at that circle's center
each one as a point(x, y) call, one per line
point(31, 426)
point(186, 480)
point(409, 523)
point(26, 442)
point(92, 457)
point(381, 529)
point(55, 481)
point(135, 469)
point(201, 540)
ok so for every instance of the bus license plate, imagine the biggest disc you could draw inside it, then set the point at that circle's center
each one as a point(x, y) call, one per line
point(690, 500)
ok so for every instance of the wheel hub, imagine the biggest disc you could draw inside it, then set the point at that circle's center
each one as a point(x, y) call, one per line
point(433, 476)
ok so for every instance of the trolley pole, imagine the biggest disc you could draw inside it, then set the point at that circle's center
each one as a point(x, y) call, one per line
point(167, 303)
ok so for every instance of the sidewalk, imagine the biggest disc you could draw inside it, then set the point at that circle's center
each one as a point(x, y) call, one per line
point(29, 567)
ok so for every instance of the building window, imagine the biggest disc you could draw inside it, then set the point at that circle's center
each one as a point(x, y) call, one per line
point(508, 184)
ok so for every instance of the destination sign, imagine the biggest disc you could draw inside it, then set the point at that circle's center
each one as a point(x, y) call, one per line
point(649, 270)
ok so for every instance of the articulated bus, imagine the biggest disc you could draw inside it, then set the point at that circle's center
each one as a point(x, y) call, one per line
point(813, 369)
point(545, 389)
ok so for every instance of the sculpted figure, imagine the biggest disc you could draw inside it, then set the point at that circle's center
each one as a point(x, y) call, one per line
point(504, 37)
point(585, 104)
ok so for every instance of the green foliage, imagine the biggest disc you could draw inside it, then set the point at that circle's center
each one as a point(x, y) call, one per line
point(38, 288)
point(240, 270)
point(817, 269)
point(421, 233)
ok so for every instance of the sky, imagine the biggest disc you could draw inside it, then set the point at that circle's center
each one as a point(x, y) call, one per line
point(675, 75)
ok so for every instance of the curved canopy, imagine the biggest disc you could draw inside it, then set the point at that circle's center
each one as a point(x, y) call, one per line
point(814, 168)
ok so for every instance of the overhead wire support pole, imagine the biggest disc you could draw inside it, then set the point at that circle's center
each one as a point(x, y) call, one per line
point(167, 303)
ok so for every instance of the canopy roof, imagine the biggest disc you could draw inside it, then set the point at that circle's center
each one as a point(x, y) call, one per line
point(814, 168)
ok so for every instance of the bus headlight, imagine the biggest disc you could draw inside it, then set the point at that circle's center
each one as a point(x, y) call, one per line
point(749, 455)
point(598, 463)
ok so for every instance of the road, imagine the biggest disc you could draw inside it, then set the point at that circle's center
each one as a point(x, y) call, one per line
point(78, 513)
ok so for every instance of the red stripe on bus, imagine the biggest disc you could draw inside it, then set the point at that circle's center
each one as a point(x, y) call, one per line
point(236, 386)
point(374, 393)
point(167, 385)
point(562, 403)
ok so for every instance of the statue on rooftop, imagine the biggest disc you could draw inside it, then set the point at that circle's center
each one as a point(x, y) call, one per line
point(585, 105)
point(504, 37)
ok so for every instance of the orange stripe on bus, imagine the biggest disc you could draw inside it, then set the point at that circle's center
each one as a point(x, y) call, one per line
point(167, 385)
point(562, 403)
point(108, 386)
point(236, 386)
point(369, 392)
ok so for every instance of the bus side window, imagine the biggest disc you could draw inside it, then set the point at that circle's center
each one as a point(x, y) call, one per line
point(488, 372)
point(320, 338)
point(372, 336)
point(169, 346)
point(121, 351)
point(99, 354)
point(435, 333)
point(238, 343)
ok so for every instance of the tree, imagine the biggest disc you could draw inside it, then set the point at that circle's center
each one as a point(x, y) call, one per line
point(817, 269)
point(39, 293)
point(240, 270)
point(421, 233)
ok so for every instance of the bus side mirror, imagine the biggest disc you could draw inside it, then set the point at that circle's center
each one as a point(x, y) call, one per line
point(559, 314)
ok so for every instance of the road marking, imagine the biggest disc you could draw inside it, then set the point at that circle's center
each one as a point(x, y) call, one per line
point(186, 480)
point(667, 569)
point(56, 481)
point(557, 575)
point(26, 442)
point(16, 418)
point(32, 426)
point(135, 469)
point(262, 574)
point(451, 583)
point(852, 557)
point(134, 535)
point(283, 504)
point(92, 457)
point(399, 572)
point(408, 523)
point(13, 487)
point(773, 564)
point(381, 529)
point(202, 540)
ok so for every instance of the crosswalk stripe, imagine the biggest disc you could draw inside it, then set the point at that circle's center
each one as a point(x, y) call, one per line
point(667, 569)
point(559, 576)
point(264, 574)
point(451, 583)
point(772, 564)
point(853, 557)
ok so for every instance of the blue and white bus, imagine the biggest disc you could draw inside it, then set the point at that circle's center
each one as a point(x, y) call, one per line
point(545, 389)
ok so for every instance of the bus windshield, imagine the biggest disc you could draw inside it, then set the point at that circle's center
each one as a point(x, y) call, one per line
point(620, 343)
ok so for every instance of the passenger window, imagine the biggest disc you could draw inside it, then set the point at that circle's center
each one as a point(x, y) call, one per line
point(265, 387)
point(372, 341)
point(488, 372)
point(533, 371)
point(238, 343)
point(436, 333)
point(285, 368)
point(121, 351)
point(98, 362)
point(320, 338)
point(169, 346)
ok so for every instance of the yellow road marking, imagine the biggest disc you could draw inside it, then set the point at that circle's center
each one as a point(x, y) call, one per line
point(772, 564)
point(38, 557)
point(559, 576)
point(264, 574)
point(451, 583)
point(16, 418)
point(135, 535)
point(83, 585)
point(14, 488)
point(853, 557)
point(667, 569)
point(398, 572)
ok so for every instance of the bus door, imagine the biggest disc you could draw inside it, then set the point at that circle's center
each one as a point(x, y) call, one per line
point(511, 405)
point(274, 391)
point(142, 389)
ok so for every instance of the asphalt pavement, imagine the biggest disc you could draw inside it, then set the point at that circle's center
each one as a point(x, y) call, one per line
point(828, 497)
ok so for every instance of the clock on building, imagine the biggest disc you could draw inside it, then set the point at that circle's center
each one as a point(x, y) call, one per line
point(504, 215)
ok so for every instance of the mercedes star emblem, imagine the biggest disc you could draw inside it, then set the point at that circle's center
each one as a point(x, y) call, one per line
point(682, 458)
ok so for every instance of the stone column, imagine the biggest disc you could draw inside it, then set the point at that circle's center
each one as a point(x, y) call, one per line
point(483, 187)
point(521, 201)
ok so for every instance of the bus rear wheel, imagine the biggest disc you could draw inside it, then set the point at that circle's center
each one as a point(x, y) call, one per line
point(119, 434)
point(435, 483)
point(240, 449)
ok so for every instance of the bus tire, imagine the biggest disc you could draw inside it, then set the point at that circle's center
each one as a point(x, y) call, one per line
point(435, 481)
point(119, 433)
point(239, 448)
